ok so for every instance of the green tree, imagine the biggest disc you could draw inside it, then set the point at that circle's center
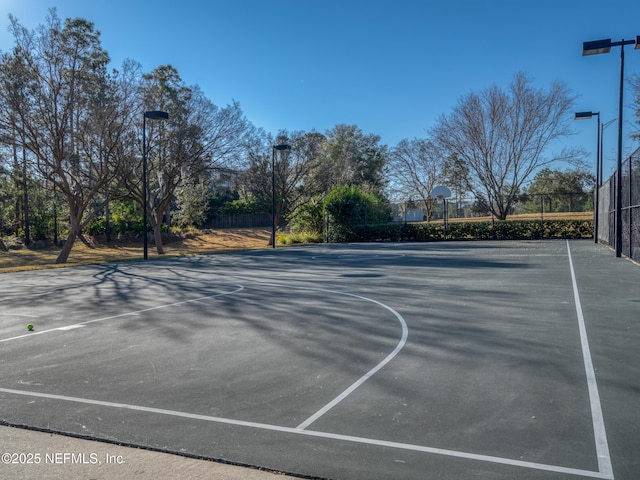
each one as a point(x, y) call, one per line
point(348, 207)
point(296, 173)
point(198, 139)
point(192, 204)
point(567, 190)
point(62, 106)
point(353, 158)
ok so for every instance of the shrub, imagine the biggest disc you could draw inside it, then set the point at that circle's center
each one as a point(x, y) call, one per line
point(299, 238)
point(487, 230)
point(351, 211)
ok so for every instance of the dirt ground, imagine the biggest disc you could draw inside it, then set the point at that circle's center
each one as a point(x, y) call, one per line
point(198, 243)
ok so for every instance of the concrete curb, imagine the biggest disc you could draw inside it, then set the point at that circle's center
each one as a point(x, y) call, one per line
point(29, 454)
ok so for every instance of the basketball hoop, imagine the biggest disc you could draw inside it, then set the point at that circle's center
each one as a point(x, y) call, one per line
point(441, 192)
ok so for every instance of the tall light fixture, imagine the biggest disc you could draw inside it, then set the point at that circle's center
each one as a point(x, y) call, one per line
point(604, 46)
point(603, 127)
point(280, 148)
point(596, 208)
point(151, 115)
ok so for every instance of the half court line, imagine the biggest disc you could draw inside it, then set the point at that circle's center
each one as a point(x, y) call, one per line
point(312, 433)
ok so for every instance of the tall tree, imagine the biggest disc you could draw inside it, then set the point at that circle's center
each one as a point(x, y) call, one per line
point(354, 158)
point(295, 173)
point(565, 190)
point(502, 136)
point(56, 94)
point(455, 176)
point(198, 138)
point(295, 185)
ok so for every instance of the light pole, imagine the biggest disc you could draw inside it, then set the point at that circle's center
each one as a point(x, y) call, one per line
point(151, 115)
point(596, 208)
point(280, 147)
point(602, 129)
point(604, 46)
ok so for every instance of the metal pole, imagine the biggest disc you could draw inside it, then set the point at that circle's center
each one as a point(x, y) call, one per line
point(596, 209)
point(444, 212)
point(630, 184)
point(619, 163)
point(601, 152)
point(144, 187)
point(273, 197)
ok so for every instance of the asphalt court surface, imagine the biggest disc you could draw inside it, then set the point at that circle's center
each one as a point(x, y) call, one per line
point(444, 360)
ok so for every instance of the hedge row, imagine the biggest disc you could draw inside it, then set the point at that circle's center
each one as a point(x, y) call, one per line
point(497, 230)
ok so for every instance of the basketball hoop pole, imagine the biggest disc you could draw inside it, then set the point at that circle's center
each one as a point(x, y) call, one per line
point(442, 193)
point(444, 203)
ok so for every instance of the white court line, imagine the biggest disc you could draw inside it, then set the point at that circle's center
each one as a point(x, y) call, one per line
point(602, 446)
point(604, 461)
point(360, 257)
point(311, 433)
point(137, 312)
point(370, 373)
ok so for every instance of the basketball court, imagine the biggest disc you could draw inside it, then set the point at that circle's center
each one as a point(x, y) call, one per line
point(441, 360)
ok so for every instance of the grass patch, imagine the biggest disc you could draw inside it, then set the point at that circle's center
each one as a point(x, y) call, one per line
point(299, 238)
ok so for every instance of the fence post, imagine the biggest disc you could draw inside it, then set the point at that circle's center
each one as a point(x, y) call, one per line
point(541, 216)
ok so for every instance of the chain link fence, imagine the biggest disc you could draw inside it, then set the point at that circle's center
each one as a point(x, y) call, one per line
point(528, 206)
point(629, 208)
point(240, 220)
point(533, 216)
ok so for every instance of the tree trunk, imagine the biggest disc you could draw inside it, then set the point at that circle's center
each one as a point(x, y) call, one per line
point(157, 236)
point(75, 216)
point(63, 256)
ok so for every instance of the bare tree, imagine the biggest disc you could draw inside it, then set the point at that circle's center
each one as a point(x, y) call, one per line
point(296, 172)
point(295, 184)
point(416, 167)
point(502, 136)
point(198, 138)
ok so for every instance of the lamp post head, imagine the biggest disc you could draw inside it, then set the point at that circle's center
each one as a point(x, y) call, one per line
point(282, 146)
point(596, 47)
point(156, 115)
point(586, 115)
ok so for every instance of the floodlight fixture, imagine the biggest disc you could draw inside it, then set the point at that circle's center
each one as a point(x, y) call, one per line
point(596, 47)
point(156, 115)
point(584, 115)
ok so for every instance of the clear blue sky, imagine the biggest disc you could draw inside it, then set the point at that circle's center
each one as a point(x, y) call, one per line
point(391, 67)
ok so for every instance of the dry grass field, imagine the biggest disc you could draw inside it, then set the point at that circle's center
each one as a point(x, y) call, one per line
point(205, 242)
